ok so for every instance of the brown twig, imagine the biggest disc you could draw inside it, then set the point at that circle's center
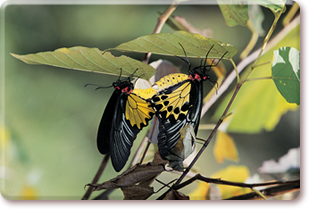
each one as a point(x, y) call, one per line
point(97, 176)
point(235, 184)
point(269, 192)
point(149, 142)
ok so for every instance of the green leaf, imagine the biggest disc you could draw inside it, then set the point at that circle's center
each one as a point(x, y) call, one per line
point(195, 45)
point(89, 59)
point(257, 17)
point(274, 5)
point(259, 105)
point(286, 73)
point(234, 12)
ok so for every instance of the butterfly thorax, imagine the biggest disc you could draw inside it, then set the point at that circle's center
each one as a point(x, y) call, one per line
point(201, 75)
point(123, 86)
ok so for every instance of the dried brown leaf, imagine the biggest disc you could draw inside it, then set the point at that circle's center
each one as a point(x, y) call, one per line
point(137, 192)
point(132, 176)
point(175, 195)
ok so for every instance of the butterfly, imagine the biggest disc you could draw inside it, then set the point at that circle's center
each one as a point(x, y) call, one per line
point(124, 116)
point(178, 103)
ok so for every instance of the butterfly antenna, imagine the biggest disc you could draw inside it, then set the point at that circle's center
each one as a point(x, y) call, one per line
point(208, 55)
point(221, 58)
point(187, 60)
point(99, 87)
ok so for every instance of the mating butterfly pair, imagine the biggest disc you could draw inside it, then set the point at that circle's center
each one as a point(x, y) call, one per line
point(176, 100)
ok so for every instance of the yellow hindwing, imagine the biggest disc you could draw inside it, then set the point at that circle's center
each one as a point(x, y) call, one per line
point(138, 111)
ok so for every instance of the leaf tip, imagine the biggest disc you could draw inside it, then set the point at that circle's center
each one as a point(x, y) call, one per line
point(64, 50)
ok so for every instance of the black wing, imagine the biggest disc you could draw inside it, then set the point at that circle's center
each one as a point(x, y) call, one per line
point(105, 126)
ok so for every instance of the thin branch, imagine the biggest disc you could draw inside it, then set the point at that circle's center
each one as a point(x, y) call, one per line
point(149, 142)
point(97, 176)
point(235, 184)
point(139, 151)
point(269, 192)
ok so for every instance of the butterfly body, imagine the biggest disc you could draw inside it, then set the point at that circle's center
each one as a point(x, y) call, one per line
point(125, 115)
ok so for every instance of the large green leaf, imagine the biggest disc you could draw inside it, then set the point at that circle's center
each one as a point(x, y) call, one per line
point(274, 5)
point(235, 13)
point(285, 73)
point(195, 45)
point(259, 105)
point(90, 59)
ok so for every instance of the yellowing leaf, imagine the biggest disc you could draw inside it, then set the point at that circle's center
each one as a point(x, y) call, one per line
point(225, 148)
point(231, 173)
point(28, 193)
point(4, 136)
point(200, 193)
point(91, 60)
point(195, 45)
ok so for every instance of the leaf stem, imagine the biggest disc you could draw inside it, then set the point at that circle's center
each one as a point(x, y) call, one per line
point(236, 70)
point(259, 78)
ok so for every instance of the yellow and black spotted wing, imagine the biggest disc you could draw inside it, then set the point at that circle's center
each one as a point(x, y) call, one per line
point(124, 116)
point(176, 106)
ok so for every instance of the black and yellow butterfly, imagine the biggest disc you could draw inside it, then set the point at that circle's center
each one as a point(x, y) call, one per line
point(124, 116)
point(178, 103)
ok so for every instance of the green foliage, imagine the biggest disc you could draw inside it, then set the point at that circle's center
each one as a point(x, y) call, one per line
point(90, 59)
point(259, 105)
point(235, 13)
point(286, 73)
point(195, 45)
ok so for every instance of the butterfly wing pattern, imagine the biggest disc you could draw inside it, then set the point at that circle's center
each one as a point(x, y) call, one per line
point(124, 116)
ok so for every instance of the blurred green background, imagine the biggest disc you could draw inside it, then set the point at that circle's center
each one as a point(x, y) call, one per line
point(52, 119)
